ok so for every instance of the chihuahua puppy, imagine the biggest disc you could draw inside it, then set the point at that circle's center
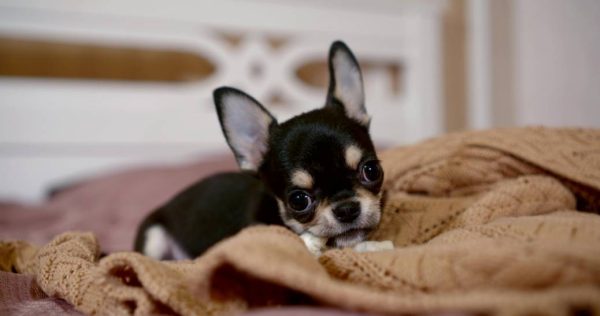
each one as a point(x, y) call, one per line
point(317, 174)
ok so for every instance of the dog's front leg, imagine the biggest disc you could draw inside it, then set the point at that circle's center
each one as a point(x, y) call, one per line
point(370, 246)
point(315, 244)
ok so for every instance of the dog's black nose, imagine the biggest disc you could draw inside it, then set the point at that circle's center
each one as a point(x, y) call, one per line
point(347, 211)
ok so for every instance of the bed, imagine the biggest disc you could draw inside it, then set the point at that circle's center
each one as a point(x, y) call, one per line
point(492, 222)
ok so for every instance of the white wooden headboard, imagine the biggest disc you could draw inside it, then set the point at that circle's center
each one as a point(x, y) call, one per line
point(54, 130)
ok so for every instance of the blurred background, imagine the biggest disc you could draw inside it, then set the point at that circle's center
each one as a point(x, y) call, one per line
point(90, 87)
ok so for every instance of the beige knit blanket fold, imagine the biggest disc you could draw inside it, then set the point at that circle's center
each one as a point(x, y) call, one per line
point(483, 222)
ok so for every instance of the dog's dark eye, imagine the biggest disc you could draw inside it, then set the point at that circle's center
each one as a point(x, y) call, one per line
point(300, 201)
point(370, 172)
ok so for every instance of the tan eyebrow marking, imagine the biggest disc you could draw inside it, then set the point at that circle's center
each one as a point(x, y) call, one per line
point(301, 178)
point(353, 155)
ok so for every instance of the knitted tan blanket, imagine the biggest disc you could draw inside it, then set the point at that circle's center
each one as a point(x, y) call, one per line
point(483, 222)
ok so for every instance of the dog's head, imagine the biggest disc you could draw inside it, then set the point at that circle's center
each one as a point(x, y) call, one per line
point(320, 165)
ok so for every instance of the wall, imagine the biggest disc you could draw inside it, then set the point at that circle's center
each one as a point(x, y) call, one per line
point(535, 64)
point(454, 59)
point(557, 62)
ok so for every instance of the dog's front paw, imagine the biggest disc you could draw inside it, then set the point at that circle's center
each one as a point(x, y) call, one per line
point(369, 246)
point(314, 243)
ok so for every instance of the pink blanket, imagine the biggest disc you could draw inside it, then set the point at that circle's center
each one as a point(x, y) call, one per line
point(20, 296)
point(111, 206)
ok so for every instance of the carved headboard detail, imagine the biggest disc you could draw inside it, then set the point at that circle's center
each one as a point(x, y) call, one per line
point(88, 87)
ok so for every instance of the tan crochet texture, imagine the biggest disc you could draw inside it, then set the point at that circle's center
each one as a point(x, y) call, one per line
point(482, 221)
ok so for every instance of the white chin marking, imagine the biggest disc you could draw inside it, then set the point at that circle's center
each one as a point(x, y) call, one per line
point(160, 245)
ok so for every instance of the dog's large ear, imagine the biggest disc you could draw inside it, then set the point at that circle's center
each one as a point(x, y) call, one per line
point(346, 83)
point(245, 124)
